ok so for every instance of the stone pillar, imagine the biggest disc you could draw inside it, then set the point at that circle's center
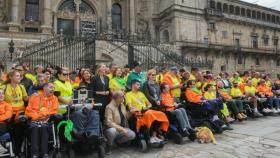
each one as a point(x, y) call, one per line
point(14, 23)
point(47, 18)
point(77, 19)
point(109, 14)
point(132, 16)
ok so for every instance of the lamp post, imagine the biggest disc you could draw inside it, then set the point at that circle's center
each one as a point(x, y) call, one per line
point(11, 49)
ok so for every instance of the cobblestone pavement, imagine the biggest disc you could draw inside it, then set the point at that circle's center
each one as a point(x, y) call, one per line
point(250, 139)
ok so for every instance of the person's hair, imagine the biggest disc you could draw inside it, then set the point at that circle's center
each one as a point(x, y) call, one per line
point(10, 75)
point(111, 65)
point(134, 82)
point(194, 69)
point(190, 82)
point(117, 94)
point(162, 86)
point(182, 70)
point(47, 70)
point(79, 72)
point(151, 71)
point(98, 68)
point(89, 71)
point(114, 74)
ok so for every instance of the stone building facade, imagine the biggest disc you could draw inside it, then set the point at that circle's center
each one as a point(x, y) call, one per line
point(219, 35)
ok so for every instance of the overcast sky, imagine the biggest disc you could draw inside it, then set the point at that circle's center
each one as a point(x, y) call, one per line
point(274, 4)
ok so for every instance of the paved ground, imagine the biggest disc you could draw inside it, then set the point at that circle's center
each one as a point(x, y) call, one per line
point(251, 139)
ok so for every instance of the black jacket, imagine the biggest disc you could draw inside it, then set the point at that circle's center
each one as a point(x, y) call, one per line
point(152, 92)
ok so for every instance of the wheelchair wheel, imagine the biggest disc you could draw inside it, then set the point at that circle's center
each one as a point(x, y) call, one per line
point(101, 151)
point(143, 145)
point(177, 138)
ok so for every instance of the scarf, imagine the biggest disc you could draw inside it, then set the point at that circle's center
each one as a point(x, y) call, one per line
point(68, 129)
point(196, 90)
point(120, 81)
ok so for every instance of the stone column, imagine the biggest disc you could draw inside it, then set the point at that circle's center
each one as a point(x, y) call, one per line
point(109, 14)
point(132, 16)
point(14, 23)
point(77, 19)
point(47, 17)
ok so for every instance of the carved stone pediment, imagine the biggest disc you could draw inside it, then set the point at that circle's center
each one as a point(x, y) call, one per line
point(88, 16)
point(66, 14)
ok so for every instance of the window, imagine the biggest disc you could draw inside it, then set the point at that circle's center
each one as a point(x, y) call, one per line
point(265, 41)
point(206, 42)
point(255, 42)
point(277, 19)
point(231, 9)
point(278, 63)
point(237, 43)
point(257, 61)
point(259, 15)
point(212, 4)
point(211, 26)
point(116, 17)
point(225, 34)
point(239, 60)
point(84, 7)
point(243, 12)
point(248, 13)
point(254, 16)
point(268, 17)
point(219, 6)
point(32, 10)
point(237, 10)
point(68, 5)
point(273, 18)
point(263, 16)
point(225, 8)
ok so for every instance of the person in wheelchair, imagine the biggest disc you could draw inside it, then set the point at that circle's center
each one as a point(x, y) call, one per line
point(170, 106)
point(40, 107)
point(196, 98)
point(139, 105)
point(6, 112)
point(116, 122)
point(239, 97)
point(273, 102)
point(250, 93)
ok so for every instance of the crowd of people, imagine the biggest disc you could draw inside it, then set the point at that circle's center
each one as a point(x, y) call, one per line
point(127, 94)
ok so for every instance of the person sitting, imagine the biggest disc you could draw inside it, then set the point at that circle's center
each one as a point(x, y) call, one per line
point(136, 102)
point(211, 94)
point(238, 96)
point(116, 122)
point(250, 93)
point(266, 92)
point(193, 95)
point(235, 106)
point(6, 112)
point(171, 106)
point(40, 107)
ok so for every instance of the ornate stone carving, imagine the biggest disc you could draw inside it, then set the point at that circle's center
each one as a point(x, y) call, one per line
point(3, 10)
point(66, 13)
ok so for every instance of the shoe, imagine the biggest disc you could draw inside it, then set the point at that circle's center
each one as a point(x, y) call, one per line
point(265, 110)
point(244, 116)
point(230, 120)
point(257, 114)
point(154, 140)
point(225, 127)
point(274, 110)
point(278, 110)
point(35, 156)
point(269, 110)
point(185, 133)
point(239, 117)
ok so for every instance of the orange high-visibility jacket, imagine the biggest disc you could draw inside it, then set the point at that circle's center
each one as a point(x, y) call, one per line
point(265, 90)
point(40, 107)
point(193, 97)
point(6, 111)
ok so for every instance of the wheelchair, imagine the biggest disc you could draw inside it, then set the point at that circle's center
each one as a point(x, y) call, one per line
point(142, 140)
point(84, 141)
point(53, 142)
point(6, 143)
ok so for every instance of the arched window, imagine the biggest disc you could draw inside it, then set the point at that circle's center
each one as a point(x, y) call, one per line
point(32, 10)
point(268, 17)
point(248, 13)
point(165, 36)
point(254, 14)
point(85, 7)
point(243, 12)
point(237, 10)
point(68, 5)
point(116, 17)
point(219, 6)
point(212, 4)
point(273, 18)
point(259, 15)
point(263, 16)
point(225, 8)
point(231, 9)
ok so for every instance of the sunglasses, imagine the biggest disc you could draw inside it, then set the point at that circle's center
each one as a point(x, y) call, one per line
point(66, 74)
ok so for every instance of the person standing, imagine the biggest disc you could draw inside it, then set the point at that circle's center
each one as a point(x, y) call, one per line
point(172, 79)
point(136, 74)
